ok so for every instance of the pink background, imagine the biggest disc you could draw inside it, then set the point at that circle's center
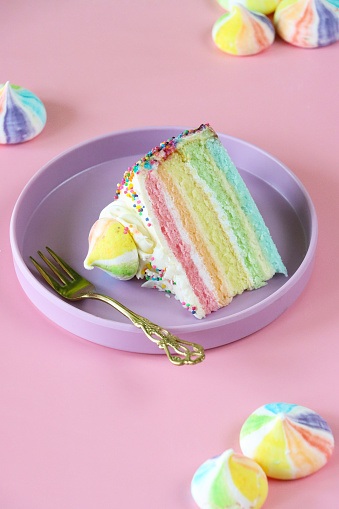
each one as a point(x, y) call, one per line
point(83, 426)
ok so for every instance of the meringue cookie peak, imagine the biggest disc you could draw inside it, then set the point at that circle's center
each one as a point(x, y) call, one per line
point(142, 236)
point(307, 23)
point(229, 481)
point(288, 441)
point(243, 32)
point(112, 249)
point(22, 114)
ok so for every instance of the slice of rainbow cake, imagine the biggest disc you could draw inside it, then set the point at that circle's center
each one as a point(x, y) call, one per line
point(198, 233)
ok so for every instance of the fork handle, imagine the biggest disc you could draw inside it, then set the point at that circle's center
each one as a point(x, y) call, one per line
point(186, 352)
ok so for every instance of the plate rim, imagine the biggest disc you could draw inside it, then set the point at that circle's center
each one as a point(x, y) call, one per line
point(184, 328)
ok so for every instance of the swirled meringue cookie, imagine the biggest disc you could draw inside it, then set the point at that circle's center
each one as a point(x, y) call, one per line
point(307, 23)
point(22, 114)
point(112, 249)
point(263, 6)
point(288, 441)
point(243, 32)
point(229, 481)
point(129, 218)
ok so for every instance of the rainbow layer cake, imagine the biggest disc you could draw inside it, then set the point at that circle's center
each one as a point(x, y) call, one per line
point(198, 233)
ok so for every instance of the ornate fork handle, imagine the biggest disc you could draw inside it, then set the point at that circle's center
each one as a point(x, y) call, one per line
point(166, 340)
point(185, 352)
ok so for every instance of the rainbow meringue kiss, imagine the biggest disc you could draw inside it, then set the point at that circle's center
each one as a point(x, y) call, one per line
point(112, 249)
point(22, 114)
point(243, 32)
point(263, 6)
point(307, 23)
point(229, 481)
point(287, 441)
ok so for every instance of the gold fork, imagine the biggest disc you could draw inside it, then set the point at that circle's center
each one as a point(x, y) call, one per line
point(75, 287)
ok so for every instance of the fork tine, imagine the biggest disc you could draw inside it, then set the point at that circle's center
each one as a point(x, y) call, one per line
point(51, 281)
point(53, 268)
point(71, 272)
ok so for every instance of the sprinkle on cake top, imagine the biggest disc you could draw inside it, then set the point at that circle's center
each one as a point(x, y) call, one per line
point(150, 161)
point(165, 149)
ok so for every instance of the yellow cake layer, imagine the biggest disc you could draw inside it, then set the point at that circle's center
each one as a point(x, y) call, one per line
point(207, 223)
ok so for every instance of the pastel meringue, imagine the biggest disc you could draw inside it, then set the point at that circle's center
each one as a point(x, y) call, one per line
point(263, 6)
point(243, 32)
point(229, 481)
point(287, 441)
point(22, 114)
point(112, 249)
point(307, 23)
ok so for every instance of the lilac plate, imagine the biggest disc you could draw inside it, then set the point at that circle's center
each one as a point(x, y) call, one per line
point(61, 202)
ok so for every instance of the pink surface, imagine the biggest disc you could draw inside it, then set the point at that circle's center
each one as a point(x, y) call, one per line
point(84, 426)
